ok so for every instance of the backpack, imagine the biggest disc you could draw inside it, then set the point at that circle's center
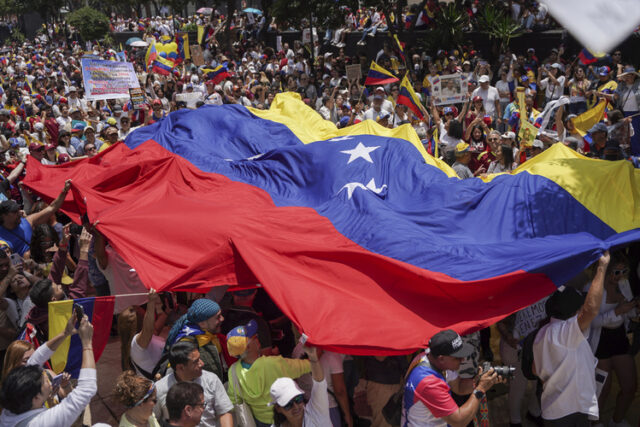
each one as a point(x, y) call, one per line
point(526, 355)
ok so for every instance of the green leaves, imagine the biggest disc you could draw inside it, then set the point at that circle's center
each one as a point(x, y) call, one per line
point(498, 26)
point(91, 24)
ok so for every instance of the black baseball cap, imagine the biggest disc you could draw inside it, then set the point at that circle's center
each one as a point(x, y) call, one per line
point(449, 343)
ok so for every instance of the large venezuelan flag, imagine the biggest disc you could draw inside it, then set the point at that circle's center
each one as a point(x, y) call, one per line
point(99, 310)
point(365, 241)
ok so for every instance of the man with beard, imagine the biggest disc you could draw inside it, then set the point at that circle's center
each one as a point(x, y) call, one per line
point(201, 324)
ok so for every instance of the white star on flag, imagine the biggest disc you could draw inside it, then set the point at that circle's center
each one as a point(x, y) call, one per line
point(351, 187)
point(360, 152)
point(372, 186)
point(188, 330)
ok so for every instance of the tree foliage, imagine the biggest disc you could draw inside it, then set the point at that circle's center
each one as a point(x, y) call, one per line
point(91, 24)
point(292, 13)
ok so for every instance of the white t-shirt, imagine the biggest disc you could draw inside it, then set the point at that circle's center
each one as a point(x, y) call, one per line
point(489, 98)
point(331, 364)
point(214, 394)
point(566, 365)
point(553, 91)
point(503, 86)
point(147, 358)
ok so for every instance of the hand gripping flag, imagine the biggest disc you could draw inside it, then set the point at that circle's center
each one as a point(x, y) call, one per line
point(408, 97)
point(99, 310)
point(344, 225)
point(379, 76)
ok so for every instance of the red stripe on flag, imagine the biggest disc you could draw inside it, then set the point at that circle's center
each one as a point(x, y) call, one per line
point(101, 321)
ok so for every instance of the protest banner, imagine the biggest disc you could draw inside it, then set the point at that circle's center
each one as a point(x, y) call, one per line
point(306, 35)
point(449, 89)
point(196, 55)
point(137, 97)
point(107, 79)
point(189, 98)
point(354, 72)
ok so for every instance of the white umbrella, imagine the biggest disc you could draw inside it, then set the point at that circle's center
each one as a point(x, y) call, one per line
point(140, 43)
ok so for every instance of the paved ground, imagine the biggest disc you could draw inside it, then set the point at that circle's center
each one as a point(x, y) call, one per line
point(104, 408)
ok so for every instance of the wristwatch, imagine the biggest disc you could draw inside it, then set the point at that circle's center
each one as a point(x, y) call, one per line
point(479, 394)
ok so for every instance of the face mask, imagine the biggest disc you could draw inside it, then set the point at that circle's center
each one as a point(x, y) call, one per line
point(625, 289)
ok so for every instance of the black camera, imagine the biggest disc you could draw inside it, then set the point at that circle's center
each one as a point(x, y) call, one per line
point(503, 371)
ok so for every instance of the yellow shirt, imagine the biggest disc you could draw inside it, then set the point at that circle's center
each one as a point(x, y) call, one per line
point(124, 422)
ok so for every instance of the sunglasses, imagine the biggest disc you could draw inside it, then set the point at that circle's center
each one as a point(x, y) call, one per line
point(298, 399)
point(622, 272)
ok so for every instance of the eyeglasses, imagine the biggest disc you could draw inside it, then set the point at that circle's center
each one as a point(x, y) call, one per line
point(493, 139)
point(296, 400)
point(622, 272)
point(90, 149)
point(204, 405)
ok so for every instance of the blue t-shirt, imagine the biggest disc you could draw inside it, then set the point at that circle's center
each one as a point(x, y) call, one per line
point(19, 238)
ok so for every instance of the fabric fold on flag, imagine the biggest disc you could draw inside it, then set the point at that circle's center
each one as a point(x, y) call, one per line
point(337, 224)
point(379, 76)
point(68, 357)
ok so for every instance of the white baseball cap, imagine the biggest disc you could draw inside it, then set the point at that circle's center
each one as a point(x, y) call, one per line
point(484, 79)
point(283, 390)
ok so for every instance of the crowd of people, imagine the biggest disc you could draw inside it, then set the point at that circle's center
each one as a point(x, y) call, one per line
point(213, 359)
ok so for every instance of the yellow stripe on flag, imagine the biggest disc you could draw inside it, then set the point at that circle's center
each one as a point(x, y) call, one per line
point(59, 314)
point(586, 120)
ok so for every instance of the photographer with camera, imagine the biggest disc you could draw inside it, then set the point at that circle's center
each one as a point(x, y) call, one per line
point(562, 356)
point(427, 400)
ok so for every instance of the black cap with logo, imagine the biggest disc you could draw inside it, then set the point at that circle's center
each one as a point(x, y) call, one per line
point(449, 343)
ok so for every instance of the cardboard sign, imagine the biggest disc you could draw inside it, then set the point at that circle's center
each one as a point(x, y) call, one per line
point(354, 72)
point(196, 55)
point(137, 97)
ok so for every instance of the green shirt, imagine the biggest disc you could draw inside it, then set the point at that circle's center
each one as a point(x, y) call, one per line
point(256, 381)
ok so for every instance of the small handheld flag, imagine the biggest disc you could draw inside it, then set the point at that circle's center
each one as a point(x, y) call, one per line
point(379, 76)
point(408, 97)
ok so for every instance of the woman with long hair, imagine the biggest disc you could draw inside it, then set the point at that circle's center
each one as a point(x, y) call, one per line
point(504, 160)
point(578, 87)
point(138, 394)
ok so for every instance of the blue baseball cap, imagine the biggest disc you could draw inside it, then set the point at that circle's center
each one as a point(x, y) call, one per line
point(238, 338)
